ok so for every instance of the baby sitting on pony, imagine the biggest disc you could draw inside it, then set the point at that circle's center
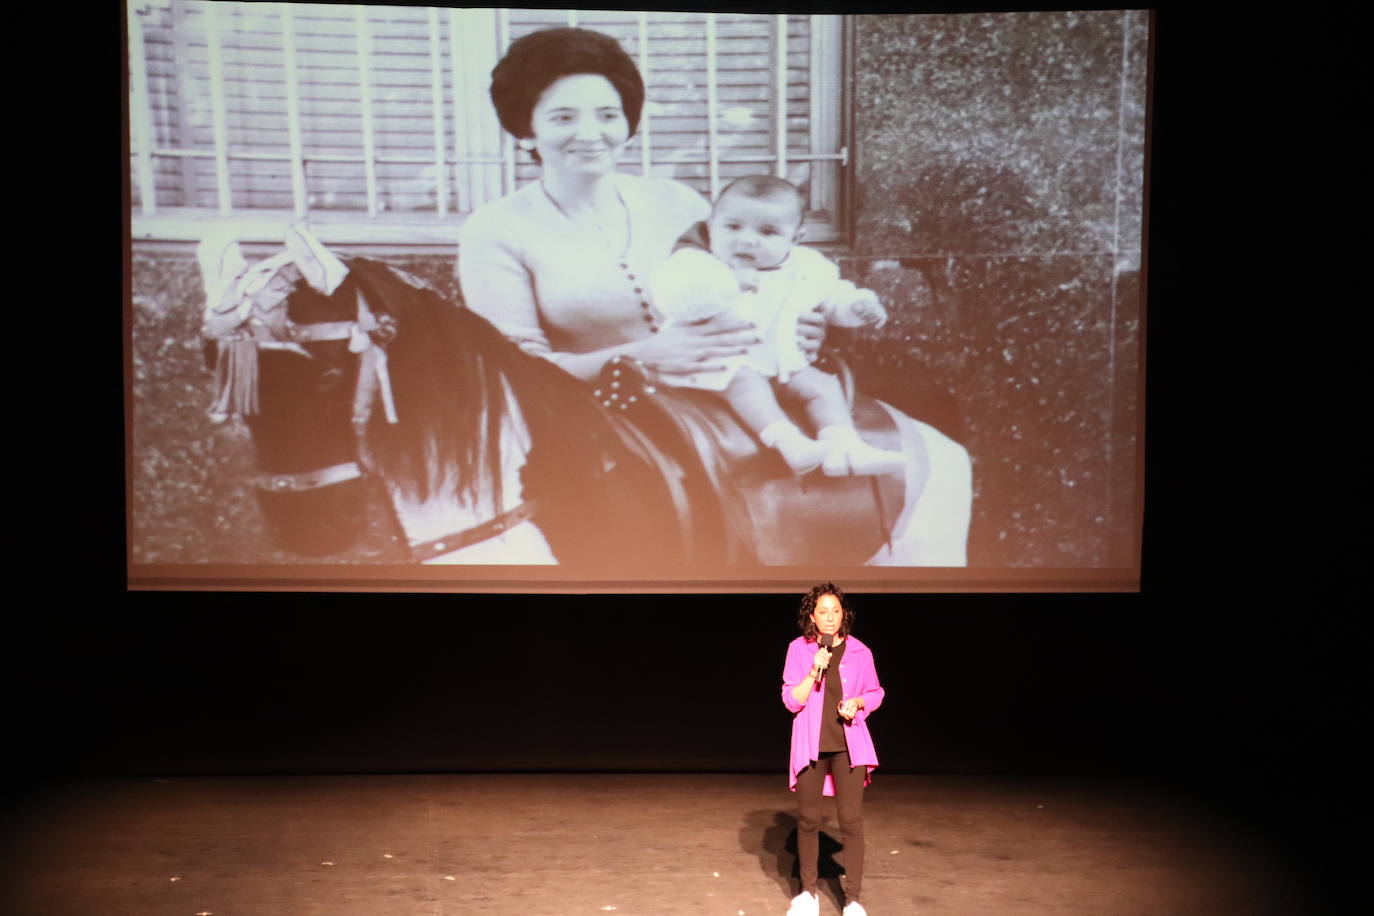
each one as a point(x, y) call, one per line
point(745, 259)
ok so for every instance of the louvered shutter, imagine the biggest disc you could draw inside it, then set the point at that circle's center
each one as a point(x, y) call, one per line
point(381, 113)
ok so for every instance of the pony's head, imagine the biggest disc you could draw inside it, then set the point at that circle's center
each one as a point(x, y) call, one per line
point(283, 337)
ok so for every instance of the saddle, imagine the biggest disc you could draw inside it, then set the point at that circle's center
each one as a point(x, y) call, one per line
point(777, 517)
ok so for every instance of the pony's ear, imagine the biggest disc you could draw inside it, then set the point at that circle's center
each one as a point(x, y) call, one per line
point(220, 258)
point(321, 267)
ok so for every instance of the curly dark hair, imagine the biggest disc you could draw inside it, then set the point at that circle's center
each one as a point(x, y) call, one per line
point(536, 61)
point(808, 605)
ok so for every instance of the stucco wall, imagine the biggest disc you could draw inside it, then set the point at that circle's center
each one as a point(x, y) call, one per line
point(999, 163)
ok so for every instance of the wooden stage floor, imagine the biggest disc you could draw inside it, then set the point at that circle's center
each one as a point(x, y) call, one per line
point(626, 845)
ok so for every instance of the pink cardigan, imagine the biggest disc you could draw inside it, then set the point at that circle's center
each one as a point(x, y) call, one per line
point(859, 679)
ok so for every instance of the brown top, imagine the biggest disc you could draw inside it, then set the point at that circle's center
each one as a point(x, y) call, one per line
point(832, 726)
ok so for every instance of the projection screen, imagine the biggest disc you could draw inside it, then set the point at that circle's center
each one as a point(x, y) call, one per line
point(323, 394)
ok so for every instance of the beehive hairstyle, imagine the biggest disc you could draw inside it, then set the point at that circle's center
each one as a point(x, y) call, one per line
point(536, 61)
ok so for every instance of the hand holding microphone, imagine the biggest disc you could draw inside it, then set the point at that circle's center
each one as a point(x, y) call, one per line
point(821, 660)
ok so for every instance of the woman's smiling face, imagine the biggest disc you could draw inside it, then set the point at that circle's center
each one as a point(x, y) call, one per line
point(828, 615)
point(579, 126)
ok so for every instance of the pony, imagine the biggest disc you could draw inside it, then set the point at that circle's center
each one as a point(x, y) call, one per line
point(347, 367)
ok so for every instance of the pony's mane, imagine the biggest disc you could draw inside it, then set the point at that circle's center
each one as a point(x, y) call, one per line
point(450, 373)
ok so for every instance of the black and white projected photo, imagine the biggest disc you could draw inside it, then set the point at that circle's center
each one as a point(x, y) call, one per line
point(595, 301)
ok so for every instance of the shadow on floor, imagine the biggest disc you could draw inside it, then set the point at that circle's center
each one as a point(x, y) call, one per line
point(771, 835)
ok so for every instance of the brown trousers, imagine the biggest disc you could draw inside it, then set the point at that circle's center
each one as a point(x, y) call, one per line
point(849, 800)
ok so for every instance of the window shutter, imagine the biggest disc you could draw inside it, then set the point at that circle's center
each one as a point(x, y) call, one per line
point(381, 113)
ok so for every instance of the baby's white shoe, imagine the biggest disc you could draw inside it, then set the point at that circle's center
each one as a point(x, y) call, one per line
point(855, 908)
point(848, 455)
point(805, 904)
point(802, 453)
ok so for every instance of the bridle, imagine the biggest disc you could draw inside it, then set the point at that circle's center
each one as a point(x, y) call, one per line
point(368, 335)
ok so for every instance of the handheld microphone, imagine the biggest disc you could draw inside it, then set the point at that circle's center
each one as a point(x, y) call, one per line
point(827, 641)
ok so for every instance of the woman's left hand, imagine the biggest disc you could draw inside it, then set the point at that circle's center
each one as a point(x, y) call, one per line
point(849, 708)
point(811, 333)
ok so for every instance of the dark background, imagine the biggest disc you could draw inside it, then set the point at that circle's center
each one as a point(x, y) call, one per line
point(1230, 678)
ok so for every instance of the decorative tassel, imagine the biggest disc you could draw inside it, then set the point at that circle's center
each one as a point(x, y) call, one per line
point(246, 310)
point(321, 269)
point(236, 380)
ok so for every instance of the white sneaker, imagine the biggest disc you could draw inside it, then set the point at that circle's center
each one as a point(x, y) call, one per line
point(855, 908)
point(805, 904)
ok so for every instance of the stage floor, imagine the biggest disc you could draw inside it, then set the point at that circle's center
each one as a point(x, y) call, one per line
point(627, 845)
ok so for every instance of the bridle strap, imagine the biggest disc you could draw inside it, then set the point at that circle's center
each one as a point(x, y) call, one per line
point(314, 332)
point(457, 540)
point(308, 480)
point(340, 473)
point(320, 330)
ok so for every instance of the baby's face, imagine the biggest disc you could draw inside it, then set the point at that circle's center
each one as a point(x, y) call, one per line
point(754, 232)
